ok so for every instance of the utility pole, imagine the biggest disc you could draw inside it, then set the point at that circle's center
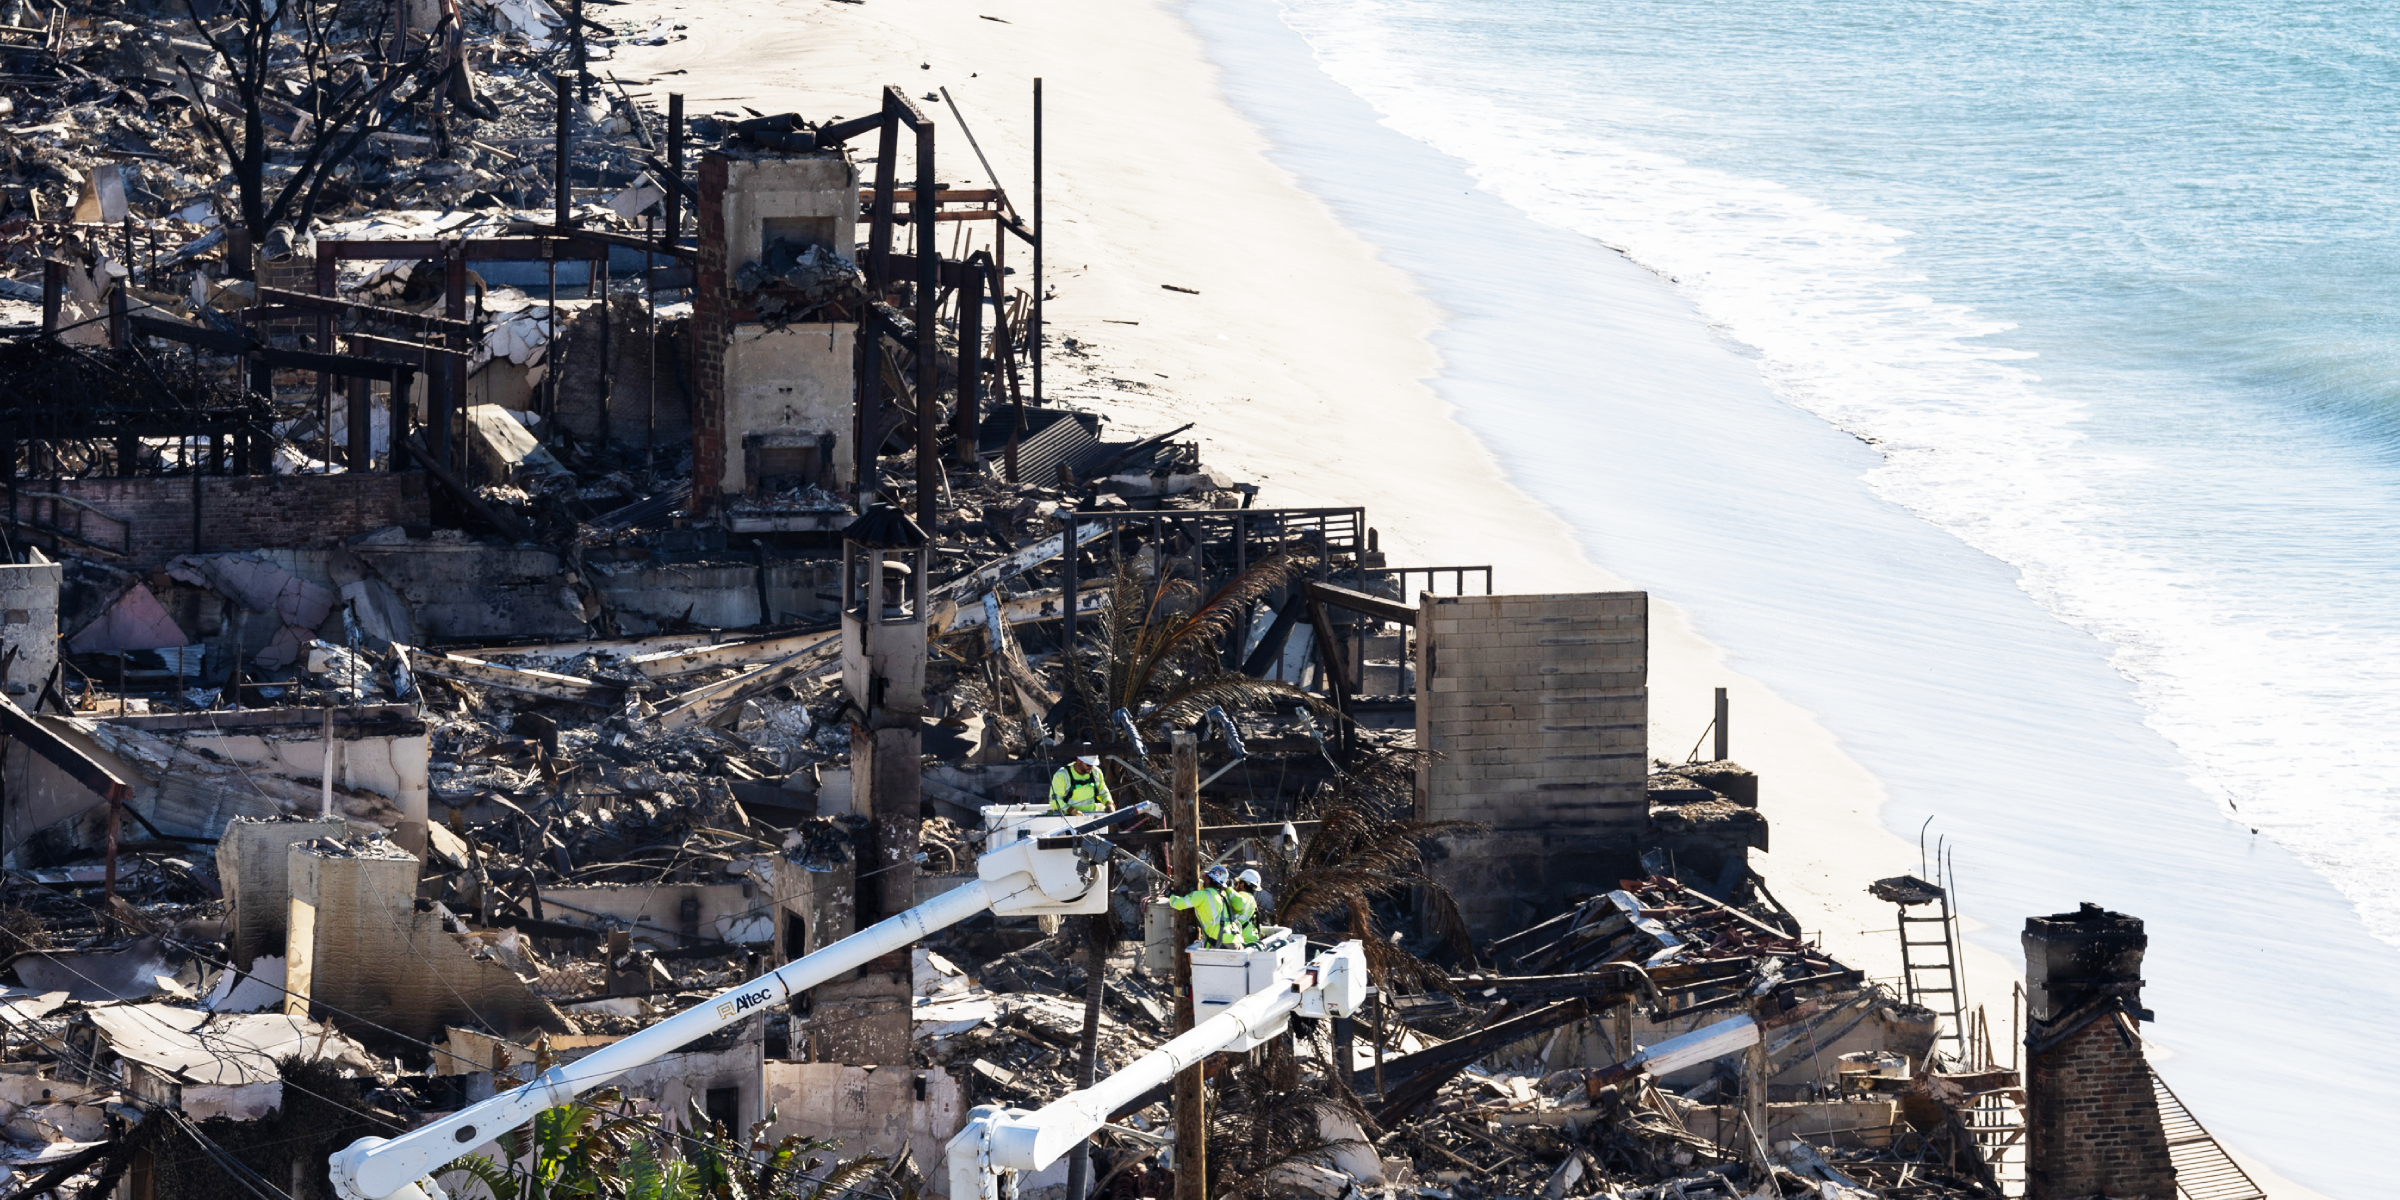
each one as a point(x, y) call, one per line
point(1724, 740)
point(1098, 932)
point(1033, 339)
point(1191, 1097)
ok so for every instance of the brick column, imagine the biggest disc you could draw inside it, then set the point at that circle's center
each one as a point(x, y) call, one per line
point(712, 329)
point(2093, 1118)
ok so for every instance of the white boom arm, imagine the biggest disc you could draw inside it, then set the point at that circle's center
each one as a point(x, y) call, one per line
point(1020, 878)
point(1006, 1139)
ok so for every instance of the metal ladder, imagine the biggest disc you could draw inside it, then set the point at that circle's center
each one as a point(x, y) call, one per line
point(2203, 1171)
point(1929, 970)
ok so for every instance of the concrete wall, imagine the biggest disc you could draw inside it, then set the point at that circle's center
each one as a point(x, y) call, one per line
point(357, 947)
point(463, 591)
point(1537, 709)
point(720, 596)
point(864, 1021)
point(727, 912)
point(870, 1112)
point(196, 774)
point(29, 627)
point(243, 512)
point(797, 380)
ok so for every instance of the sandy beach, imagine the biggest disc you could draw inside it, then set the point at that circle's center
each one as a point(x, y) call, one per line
point(1303, 359)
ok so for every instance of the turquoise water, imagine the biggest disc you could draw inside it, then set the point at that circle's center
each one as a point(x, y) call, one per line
point(2106, 283)
point(2016, 395)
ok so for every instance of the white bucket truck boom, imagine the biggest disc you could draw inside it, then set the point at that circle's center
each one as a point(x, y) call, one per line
point(1253, 994)
point(1017, 877)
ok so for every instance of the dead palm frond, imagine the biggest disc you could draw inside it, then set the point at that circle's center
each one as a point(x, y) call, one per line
point(1366, 849)
point(1160, 652)
point(1270, 1121)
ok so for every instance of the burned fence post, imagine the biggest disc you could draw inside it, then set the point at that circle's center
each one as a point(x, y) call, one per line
point(671, 215)
point(1724, 753)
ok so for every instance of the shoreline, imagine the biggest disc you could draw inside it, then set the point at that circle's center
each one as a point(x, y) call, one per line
point(1268, 383)
point(1307, 358)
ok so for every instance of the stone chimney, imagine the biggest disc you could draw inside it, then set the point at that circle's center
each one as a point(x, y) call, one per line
point(2092, 1112)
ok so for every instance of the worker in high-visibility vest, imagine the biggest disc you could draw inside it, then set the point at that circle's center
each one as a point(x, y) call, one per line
point(1211, 906)
point(1079, 789)
point(1244, 901)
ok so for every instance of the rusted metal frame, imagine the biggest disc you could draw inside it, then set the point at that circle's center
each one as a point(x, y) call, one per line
point(368, 341)
point(966, 414)
point(562, 202)
point(1188, 1088)
point(1033, 339)
point(946, 195)
point(335, 306)
point(1002, 335)
point(361, 419)
point(54, 286)
point(444, 415)
point(929, 285)
point(582, 245)
point(325, 334)
point(63, 754)
point(670, 229)
point(1146, 838)
point(867, 417)
point(1337, 672)
point(1373, 606)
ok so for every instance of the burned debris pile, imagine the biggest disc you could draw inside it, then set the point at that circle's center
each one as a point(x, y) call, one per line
point(495, 566)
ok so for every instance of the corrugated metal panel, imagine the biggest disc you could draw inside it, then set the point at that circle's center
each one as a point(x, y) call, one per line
point(1064, 438)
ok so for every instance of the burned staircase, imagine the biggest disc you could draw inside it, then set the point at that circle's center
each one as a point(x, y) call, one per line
point(2203, 1171)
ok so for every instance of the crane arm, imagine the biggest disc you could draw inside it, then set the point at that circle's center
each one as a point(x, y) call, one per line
point(998, 1139)
point(1021, 878)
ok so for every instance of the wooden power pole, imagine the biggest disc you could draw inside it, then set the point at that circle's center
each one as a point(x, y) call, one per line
point(1191, 1098)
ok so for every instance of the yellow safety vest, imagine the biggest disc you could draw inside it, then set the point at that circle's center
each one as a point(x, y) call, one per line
point(1209, 905)
point(1244, 915)
point(1072, 794)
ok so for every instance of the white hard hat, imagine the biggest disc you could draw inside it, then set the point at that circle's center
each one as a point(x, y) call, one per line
point(1089, 760)
point(1250, 877)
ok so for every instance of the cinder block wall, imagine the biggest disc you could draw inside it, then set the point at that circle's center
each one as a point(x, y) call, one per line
point(1537, 711)
point(254, 869)
point(244, 512)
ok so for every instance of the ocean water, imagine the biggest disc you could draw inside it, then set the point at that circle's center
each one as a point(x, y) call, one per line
point(2007, 383)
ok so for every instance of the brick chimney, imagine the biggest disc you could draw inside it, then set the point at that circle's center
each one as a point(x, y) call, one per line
point(2093, 1116)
